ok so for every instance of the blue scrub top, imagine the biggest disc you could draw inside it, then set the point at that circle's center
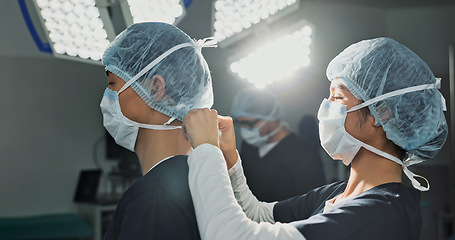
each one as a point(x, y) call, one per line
point(291, 168)
point(388, 211)
point(157, 206)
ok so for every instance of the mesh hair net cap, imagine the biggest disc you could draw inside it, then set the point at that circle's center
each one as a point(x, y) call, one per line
point(415, 120)
point(256, 103)
point(188, 83)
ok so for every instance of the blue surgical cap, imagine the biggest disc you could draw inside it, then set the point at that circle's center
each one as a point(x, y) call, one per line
point(188, 83)
point(256, 103)
point(414, 121)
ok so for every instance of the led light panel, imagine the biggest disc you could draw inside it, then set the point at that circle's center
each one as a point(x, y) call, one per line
point(276, 60)
point(234, 16)
point(168, 11)
point(75, 28)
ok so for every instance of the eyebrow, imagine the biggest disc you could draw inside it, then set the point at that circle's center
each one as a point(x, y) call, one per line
point(338, 85)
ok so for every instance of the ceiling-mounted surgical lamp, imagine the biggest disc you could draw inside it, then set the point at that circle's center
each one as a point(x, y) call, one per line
point(233, 20)
point(168, 11)
point(82, 29)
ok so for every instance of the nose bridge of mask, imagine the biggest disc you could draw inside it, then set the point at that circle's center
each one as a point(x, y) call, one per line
point(436, 85)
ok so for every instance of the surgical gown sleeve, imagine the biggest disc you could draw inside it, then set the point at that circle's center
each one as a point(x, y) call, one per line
point(218, 214)
point(254, 209)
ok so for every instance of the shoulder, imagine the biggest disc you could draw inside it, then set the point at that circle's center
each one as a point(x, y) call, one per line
point(322, 193)
point(308, 204)
point(169, 178)
point(389, 206)
point(395, 198)
point(387, 200)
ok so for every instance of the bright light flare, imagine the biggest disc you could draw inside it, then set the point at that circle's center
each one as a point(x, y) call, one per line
point(276, 60)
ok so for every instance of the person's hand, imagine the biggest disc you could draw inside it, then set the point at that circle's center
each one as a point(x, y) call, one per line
point(201, 126)
point(227, 140)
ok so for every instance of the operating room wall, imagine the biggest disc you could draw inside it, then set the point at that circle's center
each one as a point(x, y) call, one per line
point(50, 107)
point(50, 123)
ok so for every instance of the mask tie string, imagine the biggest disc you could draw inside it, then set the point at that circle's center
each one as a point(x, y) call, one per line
point(206, 42)
point(198, 45)
point(436, 85)
point(405, 164)
point(412, 176)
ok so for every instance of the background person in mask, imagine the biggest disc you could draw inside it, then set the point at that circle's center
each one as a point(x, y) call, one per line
point(277, 163)
point(384, 114)
point(156, 73)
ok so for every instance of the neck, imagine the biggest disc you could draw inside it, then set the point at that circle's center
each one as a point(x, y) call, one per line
point(369, 170)
point(152, 146)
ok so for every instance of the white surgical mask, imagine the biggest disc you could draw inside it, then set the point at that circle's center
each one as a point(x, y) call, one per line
point(123, 130)
point(340, 145)
point(253, 137)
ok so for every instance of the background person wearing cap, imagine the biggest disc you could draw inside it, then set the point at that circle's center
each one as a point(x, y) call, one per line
point(156, 74)
point(276, 162)
point(384, 114)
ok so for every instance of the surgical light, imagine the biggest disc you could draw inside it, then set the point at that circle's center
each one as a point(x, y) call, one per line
point(233, 16)
point(168, 11)
point(82, 29)
point(275, 60)
point(74, 28)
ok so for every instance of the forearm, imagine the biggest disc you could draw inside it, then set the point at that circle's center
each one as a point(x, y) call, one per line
point(254, 209)
point(218, 214)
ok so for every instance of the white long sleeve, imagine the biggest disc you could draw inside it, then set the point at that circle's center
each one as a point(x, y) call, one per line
point(218, 214)
point(254, 209)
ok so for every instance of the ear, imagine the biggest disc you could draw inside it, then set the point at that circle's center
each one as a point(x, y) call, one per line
point(158, 87)
point(371, 119)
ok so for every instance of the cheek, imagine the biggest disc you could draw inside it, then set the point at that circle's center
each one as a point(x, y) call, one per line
point(134, 108)
point(352, 125)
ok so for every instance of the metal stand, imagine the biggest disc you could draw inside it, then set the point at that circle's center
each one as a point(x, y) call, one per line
point(452, 133)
